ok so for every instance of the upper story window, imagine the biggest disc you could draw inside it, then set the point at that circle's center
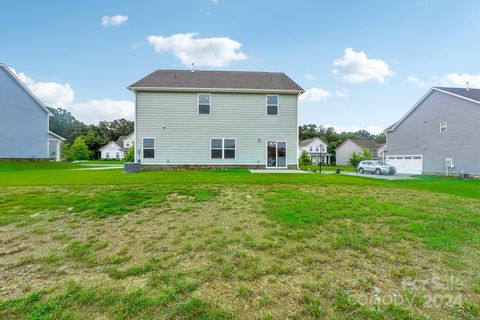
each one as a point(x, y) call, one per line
point(272, 105)
point(148, 148)
point(222, 148)
point(443, 127)
point(204, 103)
point(316, 148)
point(310, 148)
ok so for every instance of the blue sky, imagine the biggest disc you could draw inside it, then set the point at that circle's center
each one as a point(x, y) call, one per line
point(363, 63)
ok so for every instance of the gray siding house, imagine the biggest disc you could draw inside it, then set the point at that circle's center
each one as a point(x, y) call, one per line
point(439, 135)
point(348, 147)
point(219, 119)
point(24, 121)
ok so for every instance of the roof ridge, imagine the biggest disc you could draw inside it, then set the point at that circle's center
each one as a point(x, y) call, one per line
point(239, 71)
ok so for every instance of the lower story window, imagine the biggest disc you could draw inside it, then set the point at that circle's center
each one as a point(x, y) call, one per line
point(222, 148)
point(148, 148)
point(107, 154)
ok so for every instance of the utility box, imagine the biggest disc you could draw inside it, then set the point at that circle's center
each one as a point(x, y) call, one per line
point(131, 167)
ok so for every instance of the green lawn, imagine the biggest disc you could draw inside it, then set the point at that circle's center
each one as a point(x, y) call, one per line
point(230, 244)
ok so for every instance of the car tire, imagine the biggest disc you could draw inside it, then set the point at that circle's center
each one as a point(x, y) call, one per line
point(378, 172)
point(361, 171)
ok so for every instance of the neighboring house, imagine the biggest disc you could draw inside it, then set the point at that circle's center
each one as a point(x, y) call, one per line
point(348, 147)
point(316, 149)
point(216, 119)
point(438, 135)
point(117, 149)
point(24, 122)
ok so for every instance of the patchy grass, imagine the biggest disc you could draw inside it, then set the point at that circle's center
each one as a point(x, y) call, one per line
point(229, 244)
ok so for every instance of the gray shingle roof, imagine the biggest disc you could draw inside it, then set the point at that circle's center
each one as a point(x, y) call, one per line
point(368, 144)
point(119, 141)
point(305, 142)
point(473, 94)
point(224, 80)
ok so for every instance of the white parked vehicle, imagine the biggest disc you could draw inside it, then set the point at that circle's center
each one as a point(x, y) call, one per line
point(375, 167)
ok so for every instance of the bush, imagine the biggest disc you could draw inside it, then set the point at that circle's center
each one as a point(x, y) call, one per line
point(78, 151)
point(304, 159)
point(130, 155)
point(356, 158)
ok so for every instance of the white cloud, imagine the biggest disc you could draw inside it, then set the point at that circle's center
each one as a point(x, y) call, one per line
point(449, 80)
point(62, 96)
point(460, 80)
point(341, 93)
point(113, 21)
point(416, 81)
point(50, 93)
point(372, 129)
point(316, 94)
point(53, 94)
point(94, 111)
point(211, 52)
point(357, 67)
point(309, 76)
point(319, 94)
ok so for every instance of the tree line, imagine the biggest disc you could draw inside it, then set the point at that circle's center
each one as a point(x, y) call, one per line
point(82, 140)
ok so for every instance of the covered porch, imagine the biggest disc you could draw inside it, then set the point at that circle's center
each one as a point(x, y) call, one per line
point(54, 146)
point(318, 158)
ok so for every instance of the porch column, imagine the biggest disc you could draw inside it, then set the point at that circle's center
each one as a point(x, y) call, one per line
point(57, 155)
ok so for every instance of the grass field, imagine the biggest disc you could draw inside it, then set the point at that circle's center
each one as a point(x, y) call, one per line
point(231, 244)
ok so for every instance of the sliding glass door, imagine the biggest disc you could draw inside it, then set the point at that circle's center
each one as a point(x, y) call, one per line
point(276, 154)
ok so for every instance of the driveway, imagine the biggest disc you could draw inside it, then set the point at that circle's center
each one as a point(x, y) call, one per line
point(398, 176)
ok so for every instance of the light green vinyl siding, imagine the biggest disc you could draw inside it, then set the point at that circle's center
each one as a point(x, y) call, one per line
point(182, 136)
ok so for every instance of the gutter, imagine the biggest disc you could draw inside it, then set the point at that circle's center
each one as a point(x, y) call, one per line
point(190, 89)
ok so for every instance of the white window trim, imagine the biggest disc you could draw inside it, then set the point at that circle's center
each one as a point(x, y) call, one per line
point(443, 125)
point(223, 148)
point(154, 144)
point(278, 105)
point(266, 153)
point(209, 106)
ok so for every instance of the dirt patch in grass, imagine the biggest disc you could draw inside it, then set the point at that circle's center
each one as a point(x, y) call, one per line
point(239, 252)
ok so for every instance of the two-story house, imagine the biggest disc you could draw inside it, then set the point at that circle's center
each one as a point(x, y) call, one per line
point(438, 135)
point(24, 122)
point(216, 119)
point(117, 149)
point(316, 148)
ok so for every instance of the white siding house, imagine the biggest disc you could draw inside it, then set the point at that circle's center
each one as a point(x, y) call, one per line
point(216, 119)
point(316, 149)
point(116, 150)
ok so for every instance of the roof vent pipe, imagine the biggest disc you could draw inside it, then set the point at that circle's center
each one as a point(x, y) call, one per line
point(468, 86)
point(193, 67)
